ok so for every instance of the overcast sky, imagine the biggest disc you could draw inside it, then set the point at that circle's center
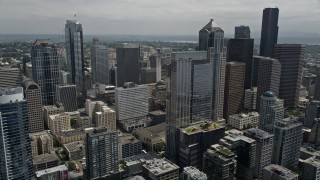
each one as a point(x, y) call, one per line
point(147, 17)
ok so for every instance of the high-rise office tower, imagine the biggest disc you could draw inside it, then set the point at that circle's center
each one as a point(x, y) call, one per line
point(45, 69)
point(148, 75)
point(250, 99)
point(211, 39)
point(15, 148)
point(131, 101)
point(101, 153)
point(242, 32)
point(155, 62)
point(312, 112)
point(67, 95)
point(245, 149)
point(74, 51)
point(291, 57)
point(271, 110)
point(269, 73)
point(9, 77)
point(287, 142)
point(99, 64)
point(241, 50)
point(32, 93)
point(189, 97)
point(316, 95)
point(264, 143)
point(269, 31)
point(234, 88)
point(128, 64)
point(314, 136)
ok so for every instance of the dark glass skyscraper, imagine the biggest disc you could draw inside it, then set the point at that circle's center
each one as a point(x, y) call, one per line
point(45, 69)
point(240, 49)
point(74, 51)
point(190, 97)
point(269, 31)
point(15, 144)
point(128, 64)
point(291, 57)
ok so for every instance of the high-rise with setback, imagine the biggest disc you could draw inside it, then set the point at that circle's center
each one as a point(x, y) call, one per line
point(269, 31)
point(15, 145)
point(211, 39)
point(32, 93)
point(74, 51)
point(128, 64)
point(45, 69)
point(189, 97)
point(291, 57)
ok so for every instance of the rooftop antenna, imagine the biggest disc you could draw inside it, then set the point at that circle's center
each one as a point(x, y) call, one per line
point(75, 16)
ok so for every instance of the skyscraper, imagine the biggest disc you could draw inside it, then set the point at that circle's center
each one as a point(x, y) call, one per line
point(45, 69)
point(101, 153)
point(189, 97)
point(15, 145)
point(250, 99)
point(291, 57)
point(287, 142)
point(9, 77)
point(271, 110)
point(242, 32)
point(67, 95)
point(264, 143)
point(269, 73)
point(99, 64)
point(269, 31)
point(128, 64)
point(74, 51)
point(234, 88)
point(32, 93)
point(155, 62)
point(317, 86)
point(241, 50)
point(312, 112)
point(211, 39)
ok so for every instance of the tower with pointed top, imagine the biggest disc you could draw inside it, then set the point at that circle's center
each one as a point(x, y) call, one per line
point(211, 38)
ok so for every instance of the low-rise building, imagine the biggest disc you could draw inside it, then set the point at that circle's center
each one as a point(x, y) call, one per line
point(45, 161)
point(192, 173)
point(50, 110)
point(41, 142)
point(134, 164)
point(161, 169)
point(244, 120)
point(311, 168)
point(277, 172)
point(219, 162)
point(153, 137)
point(105, 118)
point(132, 124)
point(157, 117)
point(75, 150)
point(128, 146)
point(54, 173)
point(63, 121)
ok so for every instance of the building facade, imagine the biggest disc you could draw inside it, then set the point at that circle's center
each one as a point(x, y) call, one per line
point(99, 64)
point(74, 51)
point(291, 57)
point(45, 69)
point(32, 93)
point(15, 148)
point(269, 31)
point(287, 142)
point(67, 95)
point(9, 77)
point(244, 120)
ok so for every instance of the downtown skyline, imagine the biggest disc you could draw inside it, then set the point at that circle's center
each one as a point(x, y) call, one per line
point(153, 18)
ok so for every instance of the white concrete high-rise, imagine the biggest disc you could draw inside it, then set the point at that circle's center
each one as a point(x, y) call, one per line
point(271, 110)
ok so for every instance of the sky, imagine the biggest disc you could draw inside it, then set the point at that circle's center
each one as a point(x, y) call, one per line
point(153, 17)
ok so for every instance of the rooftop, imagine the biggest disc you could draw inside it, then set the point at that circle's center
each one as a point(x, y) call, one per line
point(51, 170)
point(220, 151)
point(74, 146)
point(281, 171)
point(245, 115)
point(269, 94)
point(43, 134)
point(236, 135)
point(158, 112)
point(195, 173)
point(201, 127)
point(139, 158)
point(160, 166)
point(127, 139)
point(257, 133)
point(45, 158)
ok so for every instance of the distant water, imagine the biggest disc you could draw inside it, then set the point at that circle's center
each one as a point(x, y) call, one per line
point(88, 38)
